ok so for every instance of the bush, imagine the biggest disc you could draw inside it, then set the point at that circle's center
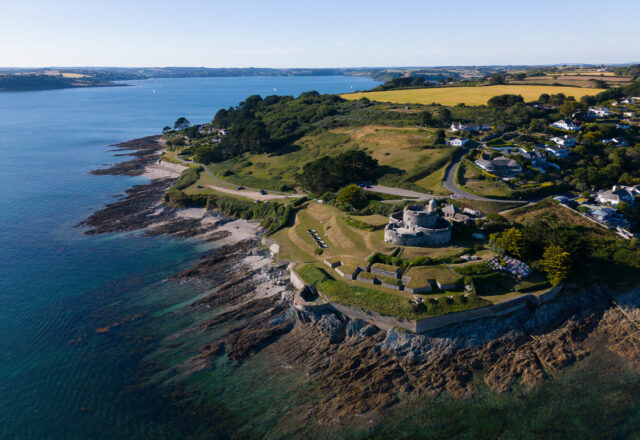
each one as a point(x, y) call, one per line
point(474, 269)
point(188, 178)
point(358, 224)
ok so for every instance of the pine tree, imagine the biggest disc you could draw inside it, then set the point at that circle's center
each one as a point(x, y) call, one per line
point(556, 262)
point(511, 240)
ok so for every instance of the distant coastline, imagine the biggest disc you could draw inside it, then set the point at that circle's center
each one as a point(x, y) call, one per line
point(14, 80)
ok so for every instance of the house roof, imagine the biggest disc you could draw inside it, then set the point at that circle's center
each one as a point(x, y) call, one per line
point(450, 209)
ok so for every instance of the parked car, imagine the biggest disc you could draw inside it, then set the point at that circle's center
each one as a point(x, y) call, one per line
point(199, 186)
point(263, 192)
point(240, 187)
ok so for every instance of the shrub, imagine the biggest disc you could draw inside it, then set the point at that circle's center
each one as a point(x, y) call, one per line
point(188, 178)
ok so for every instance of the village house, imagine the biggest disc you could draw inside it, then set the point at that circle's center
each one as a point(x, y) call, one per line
point(500, 166)
point(459, 126)
point(457, 142)
point(617, 141)
point(566, 124)
point(629, 114)
point(599, 112)
point(610, 217)
point(616, 195)
point(532, 156)
point(557, 151)
point(603, 214)
point(564, 141)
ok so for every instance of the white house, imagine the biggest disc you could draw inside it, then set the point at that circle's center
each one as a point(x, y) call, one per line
point(459, 126)
point(615, 196)
point(565, 141)
point(557, 150)
point(500, 165)
point(566, 124)
point(457, 142)
point(599, 112)
point(617, 141)
point(629, 114)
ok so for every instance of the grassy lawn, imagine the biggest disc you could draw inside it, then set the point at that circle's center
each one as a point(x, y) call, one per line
point(551, 211)
point(343, 241)
point(472, 179)
point(374, 219)
point(433, 182)
point(468, 95)
point(488, 207)
point(421, 275)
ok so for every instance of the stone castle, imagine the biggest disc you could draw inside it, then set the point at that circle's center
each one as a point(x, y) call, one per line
point(418, 225)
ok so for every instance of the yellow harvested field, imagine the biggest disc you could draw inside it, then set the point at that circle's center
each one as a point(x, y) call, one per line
point(468, 95)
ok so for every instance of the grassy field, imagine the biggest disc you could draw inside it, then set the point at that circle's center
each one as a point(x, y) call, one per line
point(488, 207)
point(400, 149)
point(551, 211)
point(350, 244)
point(433, 182)
point(475, 182)
point(421, 275)
point(468, 95)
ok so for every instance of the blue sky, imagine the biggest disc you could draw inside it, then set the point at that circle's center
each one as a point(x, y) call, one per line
point(310, 33)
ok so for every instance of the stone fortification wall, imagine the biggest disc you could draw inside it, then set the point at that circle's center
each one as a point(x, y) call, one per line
point(385, 322)
point(426, 237)
point(420, 219)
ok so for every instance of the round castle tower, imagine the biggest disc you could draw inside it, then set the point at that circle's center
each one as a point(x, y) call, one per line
point(418, 225)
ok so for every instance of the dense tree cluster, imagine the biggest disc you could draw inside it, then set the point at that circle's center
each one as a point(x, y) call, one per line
point(328, 173)
point(260, 125)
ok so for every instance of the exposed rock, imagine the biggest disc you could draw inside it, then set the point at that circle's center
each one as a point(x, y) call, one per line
point(359, 369)
point(331, 326)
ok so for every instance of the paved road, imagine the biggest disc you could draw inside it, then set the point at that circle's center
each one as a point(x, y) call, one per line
point(449, 183)
point(399, 192)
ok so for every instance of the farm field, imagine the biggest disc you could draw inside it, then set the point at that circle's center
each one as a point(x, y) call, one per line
point(468, 95)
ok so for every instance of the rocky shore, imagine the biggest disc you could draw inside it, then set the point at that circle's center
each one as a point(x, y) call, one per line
point(358, 368)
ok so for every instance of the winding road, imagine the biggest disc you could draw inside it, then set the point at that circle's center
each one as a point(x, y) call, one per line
point(449, 183)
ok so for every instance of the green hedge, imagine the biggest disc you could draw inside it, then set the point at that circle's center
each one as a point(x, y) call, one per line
point(358, 224)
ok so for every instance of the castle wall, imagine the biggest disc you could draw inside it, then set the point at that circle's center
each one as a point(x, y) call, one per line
point(433, 237)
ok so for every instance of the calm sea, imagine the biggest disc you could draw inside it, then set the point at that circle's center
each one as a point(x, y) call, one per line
point(59, 378)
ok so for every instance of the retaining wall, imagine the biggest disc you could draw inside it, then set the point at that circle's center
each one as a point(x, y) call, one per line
point(385, 322)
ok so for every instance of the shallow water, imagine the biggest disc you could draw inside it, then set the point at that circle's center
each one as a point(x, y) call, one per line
point(59, 378)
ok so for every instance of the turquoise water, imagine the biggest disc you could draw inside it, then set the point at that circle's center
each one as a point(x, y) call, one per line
point(59, 378)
